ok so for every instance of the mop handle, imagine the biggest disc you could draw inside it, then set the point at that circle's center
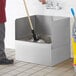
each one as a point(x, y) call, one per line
point(30, 21)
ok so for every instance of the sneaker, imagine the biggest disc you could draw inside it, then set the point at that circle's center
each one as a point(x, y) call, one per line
point(6, 61)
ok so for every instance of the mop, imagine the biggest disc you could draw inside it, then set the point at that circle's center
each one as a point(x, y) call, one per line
point(74, 37)
point(35, 37)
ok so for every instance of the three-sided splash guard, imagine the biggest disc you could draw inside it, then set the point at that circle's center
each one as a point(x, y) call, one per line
point(56, 33)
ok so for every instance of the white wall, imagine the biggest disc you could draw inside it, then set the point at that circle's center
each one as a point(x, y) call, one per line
point(10, 24)
point(15, 9)
point(66, 5)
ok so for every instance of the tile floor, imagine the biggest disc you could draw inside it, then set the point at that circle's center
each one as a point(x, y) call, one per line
point(20, 68)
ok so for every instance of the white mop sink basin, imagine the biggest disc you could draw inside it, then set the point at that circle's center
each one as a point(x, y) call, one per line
point(48, 54)
point(40, 53)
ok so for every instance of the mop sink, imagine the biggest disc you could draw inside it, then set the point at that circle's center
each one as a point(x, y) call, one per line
point(55, 31)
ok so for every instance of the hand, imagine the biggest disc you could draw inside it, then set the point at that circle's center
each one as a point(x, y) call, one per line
point(43, 1)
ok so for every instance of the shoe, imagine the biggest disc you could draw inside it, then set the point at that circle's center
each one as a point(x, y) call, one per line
point(6, 61)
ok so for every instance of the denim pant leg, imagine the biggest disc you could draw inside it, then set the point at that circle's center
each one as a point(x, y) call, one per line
point(2, 37)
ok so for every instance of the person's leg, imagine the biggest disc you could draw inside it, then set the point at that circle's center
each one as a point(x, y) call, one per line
point(2, 45)
point(3, 58)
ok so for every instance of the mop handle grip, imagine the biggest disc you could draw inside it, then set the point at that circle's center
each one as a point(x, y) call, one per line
point(30, 21)
point(72, 11)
